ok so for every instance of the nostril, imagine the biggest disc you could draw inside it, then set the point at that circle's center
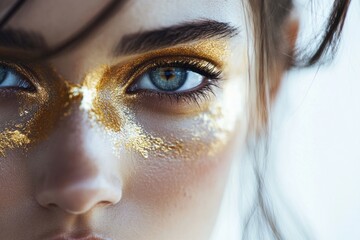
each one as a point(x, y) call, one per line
point(43, 201)
point(51, 205)
point(105, 204)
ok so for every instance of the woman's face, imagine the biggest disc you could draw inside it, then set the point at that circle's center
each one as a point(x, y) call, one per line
point(131, 134)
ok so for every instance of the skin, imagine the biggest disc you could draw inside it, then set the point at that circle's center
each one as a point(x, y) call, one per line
point(75, 179)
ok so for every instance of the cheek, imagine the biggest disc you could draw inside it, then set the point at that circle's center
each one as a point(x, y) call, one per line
point(182, 196)
point(10, 177)
point(188, 183)
point(169, 182)
point(16, 201)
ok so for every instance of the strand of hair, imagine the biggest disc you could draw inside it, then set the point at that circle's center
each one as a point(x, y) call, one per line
point(11, 12)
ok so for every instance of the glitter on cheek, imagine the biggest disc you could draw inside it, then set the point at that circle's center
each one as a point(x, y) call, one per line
point(39, 111)
point(222, 119)
point(12, 139)
point(34, 121)
point(136, 138)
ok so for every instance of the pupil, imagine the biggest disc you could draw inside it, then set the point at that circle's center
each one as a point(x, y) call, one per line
point(168, 74)
point(168, 79)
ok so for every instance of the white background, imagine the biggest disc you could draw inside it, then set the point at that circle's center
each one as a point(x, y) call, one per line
point(315, 144)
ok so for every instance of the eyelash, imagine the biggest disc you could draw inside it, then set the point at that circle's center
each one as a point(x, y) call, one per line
point(211, 74)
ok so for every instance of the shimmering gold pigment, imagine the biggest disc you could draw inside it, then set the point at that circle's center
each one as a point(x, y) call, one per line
point(102, 95)
point(144, 143)
point(107, 112)
point(104, 101)
point(137, 139)
point(222, 118)
point(217, 123)
point(92, 102)
point(214, 51)
point(11, 139)
point(38, 112)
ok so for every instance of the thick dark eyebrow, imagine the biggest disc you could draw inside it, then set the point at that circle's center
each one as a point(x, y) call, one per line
point(174, 35)
point(23, 40)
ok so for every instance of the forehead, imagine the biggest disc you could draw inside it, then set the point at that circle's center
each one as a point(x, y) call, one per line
point(58, 20)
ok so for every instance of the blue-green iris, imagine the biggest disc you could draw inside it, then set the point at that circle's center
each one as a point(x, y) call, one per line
point(169, 78)
point(3, 74)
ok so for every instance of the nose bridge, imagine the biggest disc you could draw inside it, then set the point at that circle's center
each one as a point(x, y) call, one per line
point(79, 169)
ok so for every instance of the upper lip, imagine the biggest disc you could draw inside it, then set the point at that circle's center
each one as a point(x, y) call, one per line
point(77, 235)
point(82, 238)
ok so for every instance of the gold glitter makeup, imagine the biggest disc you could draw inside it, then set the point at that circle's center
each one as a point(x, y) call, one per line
point(102, 96)
point(106, 101)
point(222, 118)
point(99, 109)
point(136, 138)
point(105, 105)
point(212, 120)
point(39, 111)
point(11, 139)
point(213, 51)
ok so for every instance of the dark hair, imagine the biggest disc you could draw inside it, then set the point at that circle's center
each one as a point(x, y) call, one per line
point(267, 19)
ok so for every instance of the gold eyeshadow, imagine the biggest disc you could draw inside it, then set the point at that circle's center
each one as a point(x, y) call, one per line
point(211, 51)
point(102, 96)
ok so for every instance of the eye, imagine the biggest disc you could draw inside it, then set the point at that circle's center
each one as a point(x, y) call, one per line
point(10, 79)
point(177, 78)
point(170, 79)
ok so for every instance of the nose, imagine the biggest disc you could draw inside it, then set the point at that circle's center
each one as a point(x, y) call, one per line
point(81, 197)
point(77, 171)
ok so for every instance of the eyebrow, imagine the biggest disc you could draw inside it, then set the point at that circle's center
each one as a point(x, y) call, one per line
point(174, 35)
point(21, 39)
